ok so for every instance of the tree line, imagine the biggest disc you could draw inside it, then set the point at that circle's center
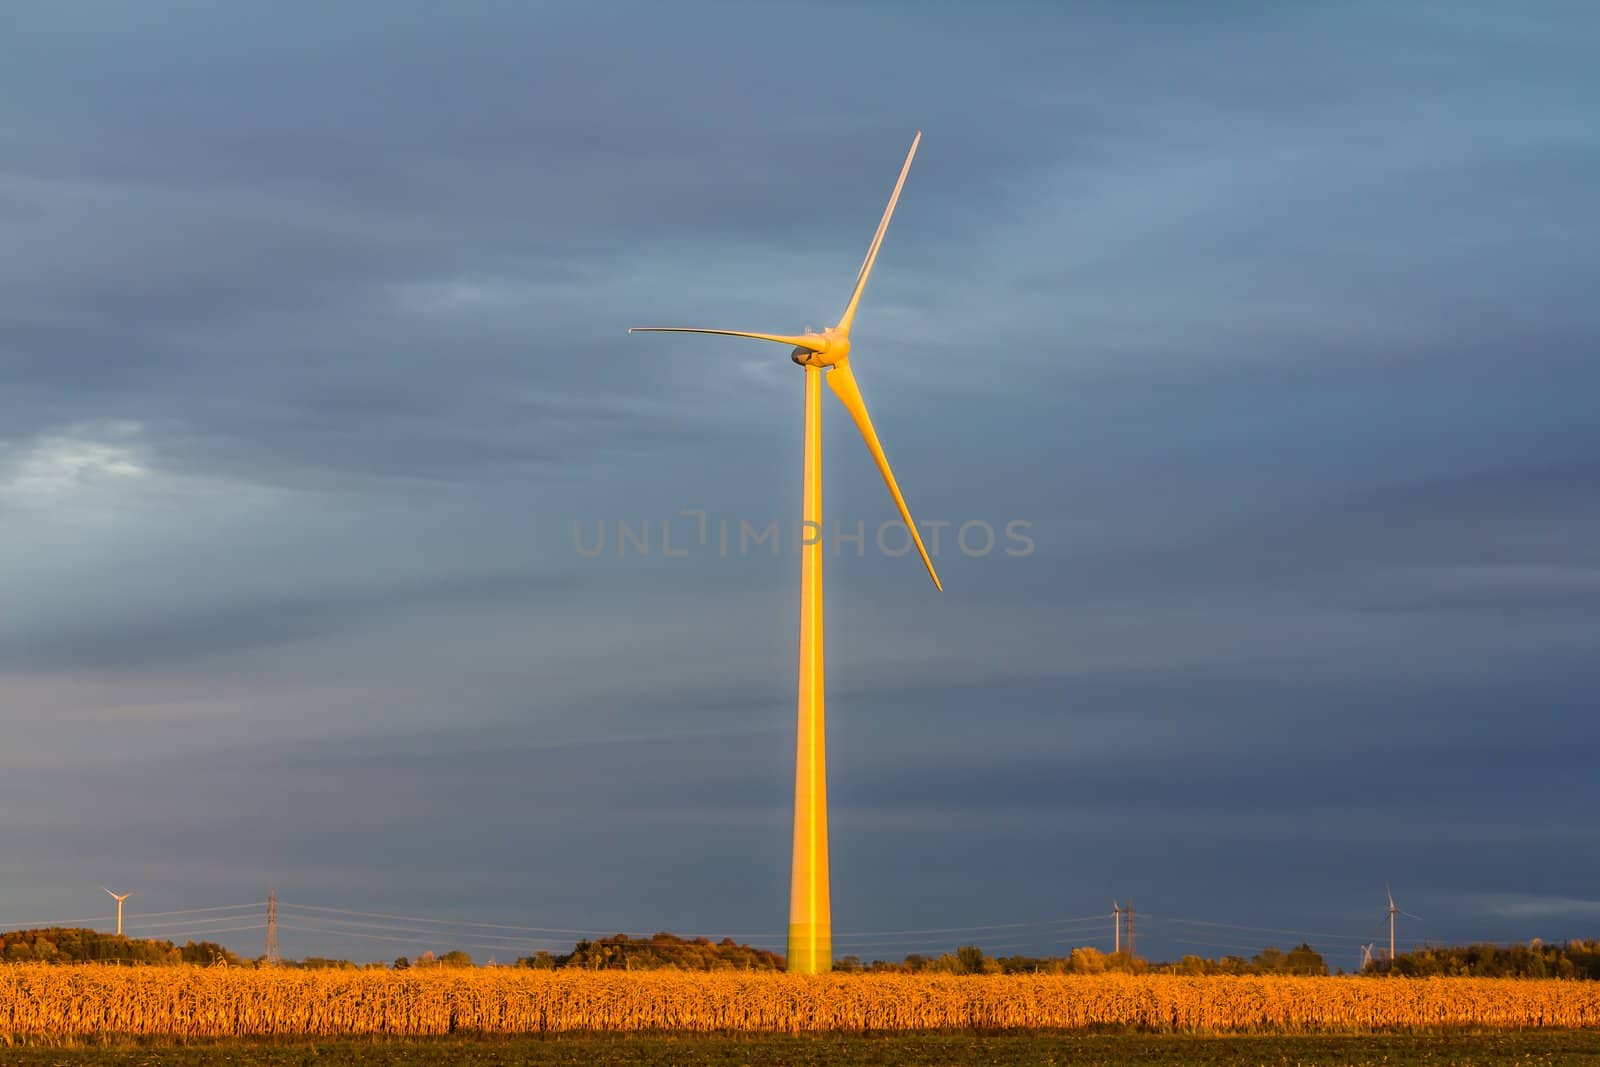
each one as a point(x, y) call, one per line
point(622, 952)
point(1575, 959)
point(701, 954)
point(971, 959)
point(71, 944)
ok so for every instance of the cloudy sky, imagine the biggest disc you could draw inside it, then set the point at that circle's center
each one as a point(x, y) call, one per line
point(1275, 328)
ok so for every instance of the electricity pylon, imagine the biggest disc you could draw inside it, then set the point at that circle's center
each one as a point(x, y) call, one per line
point(272, 927)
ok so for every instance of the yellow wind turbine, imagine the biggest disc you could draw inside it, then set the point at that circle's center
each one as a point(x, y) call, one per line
point(822, 355)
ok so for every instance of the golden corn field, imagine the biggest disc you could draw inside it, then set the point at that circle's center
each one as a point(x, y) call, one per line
point(41, 1000)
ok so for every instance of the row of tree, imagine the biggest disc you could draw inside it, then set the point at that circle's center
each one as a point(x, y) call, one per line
point(970, 959)
point(1566, 959)
point(662, 950)
point(701, 954)
point(1570, 959)
point(70, 944)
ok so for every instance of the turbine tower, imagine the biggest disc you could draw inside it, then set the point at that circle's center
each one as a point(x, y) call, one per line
point(119, 900)
point(1393, 911)
point(822, 355)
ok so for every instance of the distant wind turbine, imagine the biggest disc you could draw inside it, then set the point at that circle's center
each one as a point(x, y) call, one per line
point(119, 900)
point(824, 354)
point(1393, 911)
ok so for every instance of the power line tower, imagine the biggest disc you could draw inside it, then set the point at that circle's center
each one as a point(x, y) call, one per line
point(1130, 927)
point(272, 927)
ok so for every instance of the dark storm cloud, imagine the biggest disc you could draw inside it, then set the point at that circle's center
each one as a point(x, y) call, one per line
point(960, 825)
point(1525, 529)
point(152, 640)
point(257, 244)
point(1275, 325)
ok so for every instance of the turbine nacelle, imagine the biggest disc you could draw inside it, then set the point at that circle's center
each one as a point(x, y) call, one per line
point(825, 349)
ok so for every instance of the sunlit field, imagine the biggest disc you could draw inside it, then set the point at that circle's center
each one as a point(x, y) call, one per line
point(39, 1001)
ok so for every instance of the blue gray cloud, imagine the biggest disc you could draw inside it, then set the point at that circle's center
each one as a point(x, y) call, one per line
point(1274, 325)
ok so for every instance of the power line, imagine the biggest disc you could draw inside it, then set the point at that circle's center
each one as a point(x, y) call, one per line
point(382, 937)
point(442, 938)
point(46, 924)
point(1038, 932)
point(865, 941)
point(1216, 944)
point(436, 932)
point(838, 937)
point(134, 925)
point(190, 934)
point(853, 943)
point(38, 924)
point(1023, 939)
point(505, 941)
point(960, 929)
point(439, 922)
point(196, 911)
point(1252, 929)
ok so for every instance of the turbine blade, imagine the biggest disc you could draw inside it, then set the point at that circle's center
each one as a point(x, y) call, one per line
point(843, 384)
point(782, 339)
point(877, 241)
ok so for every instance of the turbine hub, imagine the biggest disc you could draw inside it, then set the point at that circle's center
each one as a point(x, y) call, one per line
point(825, 349)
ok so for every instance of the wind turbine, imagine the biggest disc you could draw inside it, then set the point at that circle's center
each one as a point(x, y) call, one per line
point(822, 355)
point(119, 900)
point(1393, 911)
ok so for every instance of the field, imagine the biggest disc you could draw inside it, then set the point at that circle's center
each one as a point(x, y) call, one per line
point(41, 1002)
point(1012, 1049)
